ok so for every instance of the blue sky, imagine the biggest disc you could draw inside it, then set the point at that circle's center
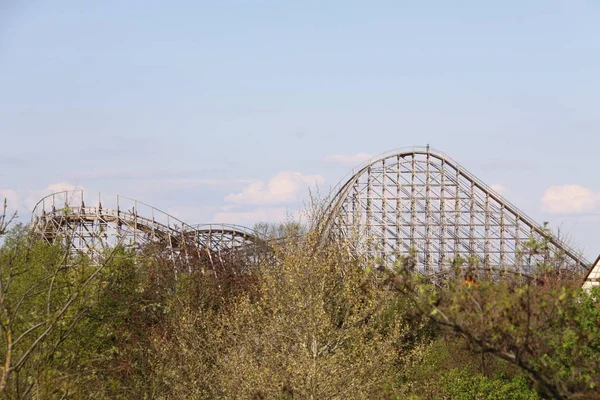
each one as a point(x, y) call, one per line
point(227, 110)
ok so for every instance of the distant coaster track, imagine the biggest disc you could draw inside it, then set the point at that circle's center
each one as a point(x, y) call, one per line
point(130, 223)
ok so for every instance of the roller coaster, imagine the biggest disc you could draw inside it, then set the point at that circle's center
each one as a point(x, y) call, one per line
point(94, 230)
point(415, 202)
point(419, 202)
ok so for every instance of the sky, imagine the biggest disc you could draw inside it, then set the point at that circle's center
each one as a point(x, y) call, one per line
point(228, 111)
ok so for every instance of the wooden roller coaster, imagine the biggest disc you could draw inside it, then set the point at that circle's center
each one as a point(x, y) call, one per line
point(94, 230)
point(415, 202)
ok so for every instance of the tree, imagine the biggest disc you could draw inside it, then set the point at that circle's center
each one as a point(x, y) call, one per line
point(44, 293)
point(6, 218)
point(319, 328)
point(544, 324)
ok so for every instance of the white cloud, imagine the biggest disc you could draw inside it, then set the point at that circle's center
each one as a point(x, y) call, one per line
point(12, 198)
point(61, 187)
point(270, 197)
point(24, 201)
point(31, 198)
point(284, 187)
point(570, 199)
point(500, 189)
point(348, 160)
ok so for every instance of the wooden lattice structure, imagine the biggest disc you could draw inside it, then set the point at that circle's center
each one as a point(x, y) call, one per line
point(94, 229)
point(420, 203)
point(415, 203)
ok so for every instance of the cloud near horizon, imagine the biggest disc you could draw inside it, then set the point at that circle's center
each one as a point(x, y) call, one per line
point(275, 200)
point(570, 199)
point(12, 199)
point(284, 187)
point(24, 201)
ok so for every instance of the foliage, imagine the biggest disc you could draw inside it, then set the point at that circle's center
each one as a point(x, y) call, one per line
point(543, 324)
point(305, 319)
point(318, 330)
point(313, 326)
point(461, 384)
point(44, 293)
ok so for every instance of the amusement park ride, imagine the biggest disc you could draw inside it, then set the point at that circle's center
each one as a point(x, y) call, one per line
point(414, 202)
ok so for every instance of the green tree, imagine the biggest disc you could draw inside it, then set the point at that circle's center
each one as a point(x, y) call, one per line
point(545, 325)
point(318, 329)
point(45, 291)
